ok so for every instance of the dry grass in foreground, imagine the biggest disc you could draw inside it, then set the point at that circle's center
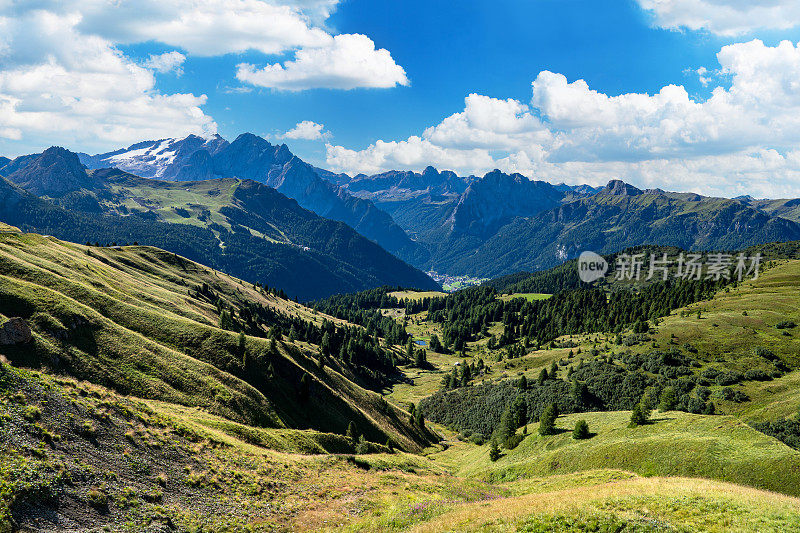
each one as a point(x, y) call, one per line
point(635, 504)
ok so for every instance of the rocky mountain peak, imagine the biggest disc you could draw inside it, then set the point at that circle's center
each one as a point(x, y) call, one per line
point(54, 172)
point(499, 197)
point(620, 188)
point(430, 172)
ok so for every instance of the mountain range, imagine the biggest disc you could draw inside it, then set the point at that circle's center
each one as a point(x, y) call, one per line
point(504, 223)
point(240, 226)
point(252, 157)
point(436, 220)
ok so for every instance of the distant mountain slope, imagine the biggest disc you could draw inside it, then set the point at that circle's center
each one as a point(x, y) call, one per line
point(453, 215)
point(252, 157)
point(244, 228)
point(436, 220)
point(501, 224)
point(420, 203)
point(498, 198)
point(54, 172)
point(430, 179)
point(424, 204)
point(620, 216)
point(784, 208)
point(163, 159)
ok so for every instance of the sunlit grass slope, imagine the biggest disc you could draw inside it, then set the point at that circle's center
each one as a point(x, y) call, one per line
point(78, 457)
point(674, 444)
point(730, 330)
point(123, 318)
point(735, 323)
point(633, 504)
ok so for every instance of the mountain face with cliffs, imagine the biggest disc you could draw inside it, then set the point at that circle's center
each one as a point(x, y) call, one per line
point(478, 226)
point(243, 227)
point(617, 217)
point(498, 198)
point(504, 223)
point(53, 173)
point(252, 157)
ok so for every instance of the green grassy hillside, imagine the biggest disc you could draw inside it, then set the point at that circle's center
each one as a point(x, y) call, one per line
point(130, 319)
point(614, 502)
point(740, 351)
point(75, 456)
point(674, 444)
point(165, 394)
point(241, 227)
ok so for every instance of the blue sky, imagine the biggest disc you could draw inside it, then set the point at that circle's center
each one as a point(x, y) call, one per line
point(491, 48)
point(382, 85)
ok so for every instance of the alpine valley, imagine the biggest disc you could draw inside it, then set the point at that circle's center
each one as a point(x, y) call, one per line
point(203, 335)
point(481, 227)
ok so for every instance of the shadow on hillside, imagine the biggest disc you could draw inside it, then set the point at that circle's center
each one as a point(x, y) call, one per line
point(661, 417)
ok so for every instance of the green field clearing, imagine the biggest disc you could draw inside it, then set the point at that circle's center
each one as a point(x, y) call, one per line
point(530, 296)
point(674, 444)
point(416, 295)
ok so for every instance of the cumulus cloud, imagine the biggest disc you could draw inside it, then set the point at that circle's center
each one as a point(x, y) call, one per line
point(737, 139)
point(217, 27)
point(463, 141)
point(166, 62)
point(724, 17)
point(199, 27)
point(62, 85)
point(347, 62)
point(64, 76)
point(307, 130)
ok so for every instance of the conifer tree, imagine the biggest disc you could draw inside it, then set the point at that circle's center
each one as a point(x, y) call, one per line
point(466, 375)
point(667, 400)
point(352, 432)
point(419, 419)
point(581, 430)
point(420, 359)
point(542, 376)
point(494, 451)
point(506, 428)
point(547, 421)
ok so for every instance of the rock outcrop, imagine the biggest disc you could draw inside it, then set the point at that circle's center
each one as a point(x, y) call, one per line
point(15, 331)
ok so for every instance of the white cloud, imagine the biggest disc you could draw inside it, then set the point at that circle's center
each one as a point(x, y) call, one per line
point(307, 130)
point(61, 86)
point(348, 62)
point(414, 152)
point(206, 27)
point(218, 27)
point(63, 76)
point(736, 140)
point(166, 62)
point(463, 141)
point(199, 27)
point(724, 17)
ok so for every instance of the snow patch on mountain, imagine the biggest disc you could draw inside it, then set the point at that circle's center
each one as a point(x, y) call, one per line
point(161, 159)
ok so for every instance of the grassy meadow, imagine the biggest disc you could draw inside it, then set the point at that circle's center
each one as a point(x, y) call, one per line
point(132, 408)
